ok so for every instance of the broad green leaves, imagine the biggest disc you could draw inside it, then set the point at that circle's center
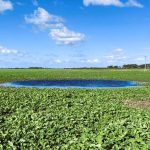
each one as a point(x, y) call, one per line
point(73, 119)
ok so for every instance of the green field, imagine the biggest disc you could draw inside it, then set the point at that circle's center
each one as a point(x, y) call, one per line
point(28, 74)
point(74, 119)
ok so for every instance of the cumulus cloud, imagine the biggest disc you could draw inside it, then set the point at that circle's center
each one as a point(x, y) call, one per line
point(55, 25)
point(5, 5)
point(4, 50)
point(133, 3)
point(117, 3)
point(43, 19)
point(65, 36)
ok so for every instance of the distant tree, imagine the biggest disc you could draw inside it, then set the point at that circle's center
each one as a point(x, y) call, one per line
point(116, 67)
point(142, 66)
point(130, 66)
point(35, 68)
point(110, 67)
point(113, 67)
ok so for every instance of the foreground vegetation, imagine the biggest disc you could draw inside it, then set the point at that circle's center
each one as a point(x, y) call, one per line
point(74, 118)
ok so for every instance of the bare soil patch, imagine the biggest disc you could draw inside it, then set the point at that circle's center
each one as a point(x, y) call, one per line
point(137, 104)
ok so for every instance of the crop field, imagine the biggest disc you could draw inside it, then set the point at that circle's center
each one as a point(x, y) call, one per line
point(74, 119)
point(28, 74)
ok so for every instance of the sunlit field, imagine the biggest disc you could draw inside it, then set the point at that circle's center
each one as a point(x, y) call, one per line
point(74, 118)
point(119, 74)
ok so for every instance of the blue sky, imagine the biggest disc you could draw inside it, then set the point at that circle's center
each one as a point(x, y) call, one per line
point(74, 33)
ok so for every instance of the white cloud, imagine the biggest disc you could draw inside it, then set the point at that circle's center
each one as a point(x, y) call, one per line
point(4, 50)
point(55, 25)
point(5, 5)
point(62, 60)
point(93, 61)
point(103, 2)
point(140, 59)
point(65, 36)
point(119, 50)
point(42, 18)
point(58, 61)
point(89, 61)
point(133, 3)
point(117, 3)
point(116, 56)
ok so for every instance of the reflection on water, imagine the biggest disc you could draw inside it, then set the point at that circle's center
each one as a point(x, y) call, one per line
point(72, 84)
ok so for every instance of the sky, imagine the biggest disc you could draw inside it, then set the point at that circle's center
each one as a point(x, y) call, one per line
point(74, 33)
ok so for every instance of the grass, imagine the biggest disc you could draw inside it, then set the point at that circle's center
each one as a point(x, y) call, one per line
point(74, 118)
point(26, 74)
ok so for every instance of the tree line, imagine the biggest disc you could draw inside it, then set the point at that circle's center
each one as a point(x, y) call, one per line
point(126, 66)
point(129, 66)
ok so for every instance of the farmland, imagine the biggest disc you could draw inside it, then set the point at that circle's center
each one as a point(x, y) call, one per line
point(28, 74)
point(74, 118)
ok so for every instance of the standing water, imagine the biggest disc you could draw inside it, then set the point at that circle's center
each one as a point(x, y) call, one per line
point(72, 84)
